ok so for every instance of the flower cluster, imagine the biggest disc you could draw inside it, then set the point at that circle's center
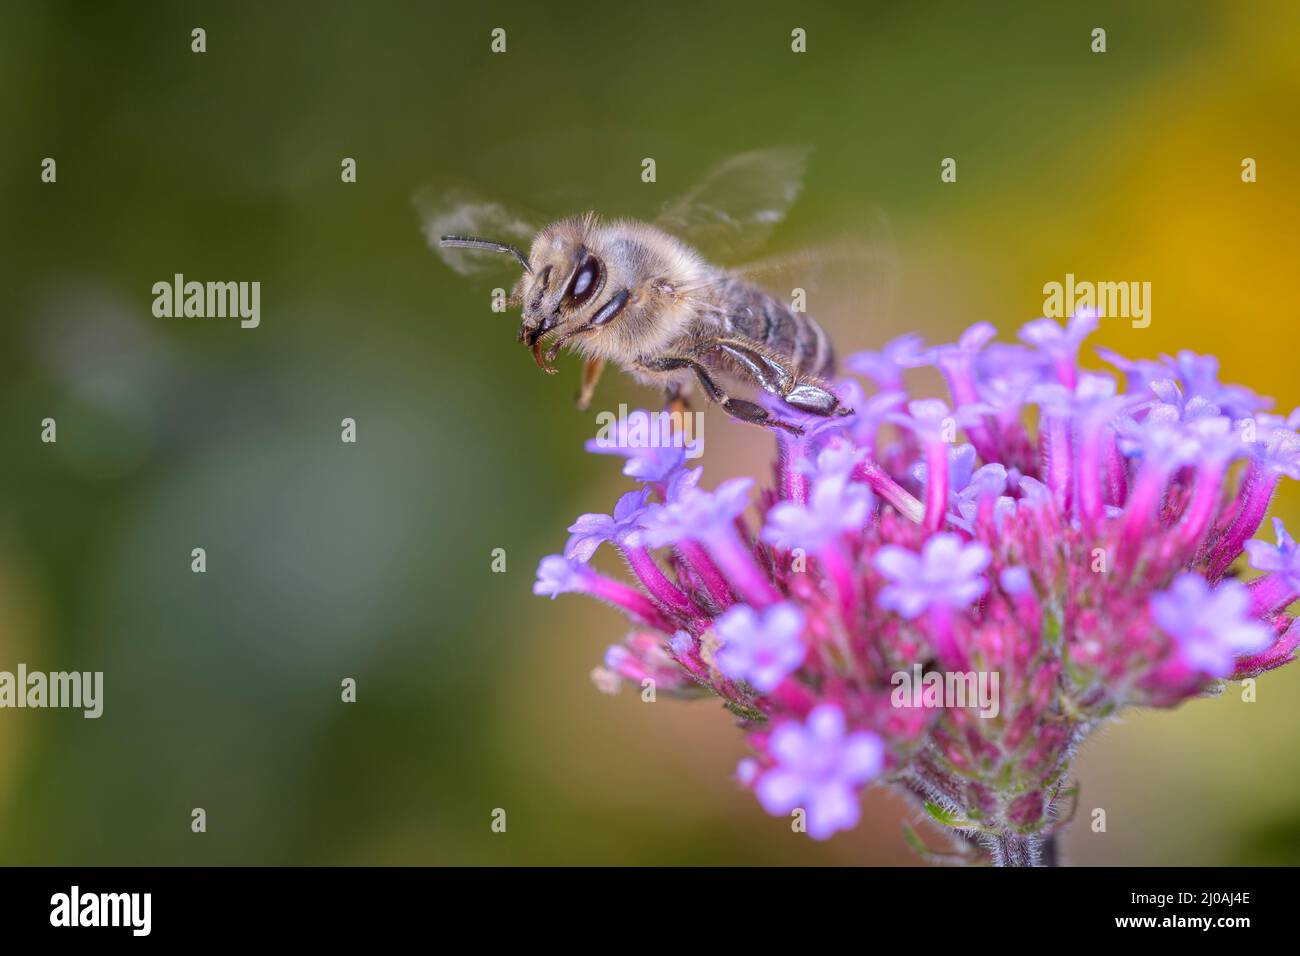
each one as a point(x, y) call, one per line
point(1086, 562)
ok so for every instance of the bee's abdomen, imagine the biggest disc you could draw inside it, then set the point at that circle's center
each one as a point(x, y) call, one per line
point(755, 315)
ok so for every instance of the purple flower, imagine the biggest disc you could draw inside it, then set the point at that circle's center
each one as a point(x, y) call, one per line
point(988, 480)
point(654, 451)
point(681, 643)
point(1157, 441)
point(957, 362)
point(1199, 377)
point(961, 465)
point(1282, 558)
point(1057, 342)
point(1175, 405)
point(1216, 437)
point(590, 531)
point(558, 575)
point(886, 367)
point(648, 464)
point(1269, 422)
point(761, 649)
point(836, 460)
point(836, 505)
point(1211, 627)
point(1016, 580)
point(947, 573)
point(747, 771)
point(1004, 375)
point(683, 481)
point(819, 768)
point(1005, 370)
point(1139, 374)
point(1278, 450)
point(932, 421)
point(869, 413)
point(697, 514)
point(1032, 491)
point(962, 352)
point(1092, 391)
point(798, 650)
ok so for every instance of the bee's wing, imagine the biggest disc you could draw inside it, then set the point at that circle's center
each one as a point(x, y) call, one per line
point(730, 213)
point(814, 266)
point(857, 273)
point(461, 212)
point(862, 258)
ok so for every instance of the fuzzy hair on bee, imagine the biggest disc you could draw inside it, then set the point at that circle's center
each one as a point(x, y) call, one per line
point(633, 294)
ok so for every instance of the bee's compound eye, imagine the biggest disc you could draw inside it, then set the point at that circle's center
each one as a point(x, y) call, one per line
point(545, 277)
point(585, 282)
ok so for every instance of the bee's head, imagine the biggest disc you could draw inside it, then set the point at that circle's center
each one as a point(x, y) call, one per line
point(562, 278)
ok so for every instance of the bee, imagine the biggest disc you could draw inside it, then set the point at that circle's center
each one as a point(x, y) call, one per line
point(638, 295)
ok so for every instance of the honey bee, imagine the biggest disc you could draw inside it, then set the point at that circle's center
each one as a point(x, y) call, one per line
point(638, 295)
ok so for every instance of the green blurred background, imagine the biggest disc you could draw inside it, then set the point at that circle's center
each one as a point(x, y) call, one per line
point(372, 560)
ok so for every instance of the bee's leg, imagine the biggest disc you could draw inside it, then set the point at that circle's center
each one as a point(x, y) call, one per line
point(766, 371)
point(737, 408)
point(675, 401)
point(815, 400)
point(677, 406)
point(563, 339)
point(776, 379)
point(591, 370)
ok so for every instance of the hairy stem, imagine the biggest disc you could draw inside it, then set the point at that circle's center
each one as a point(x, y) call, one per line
point(1010, 849)
point(1051, 855)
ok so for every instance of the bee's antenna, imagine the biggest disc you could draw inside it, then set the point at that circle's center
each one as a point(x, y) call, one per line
point(472, 242)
